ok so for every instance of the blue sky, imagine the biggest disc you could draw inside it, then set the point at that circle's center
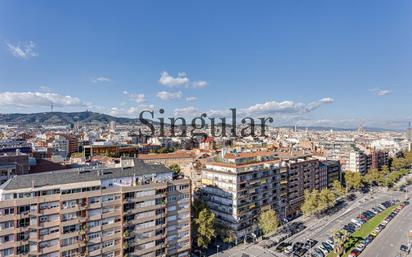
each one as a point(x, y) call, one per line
point(333, 63)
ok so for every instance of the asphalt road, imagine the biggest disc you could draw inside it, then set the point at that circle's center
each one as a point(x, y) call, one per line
point(320, 229)
point(388, 242)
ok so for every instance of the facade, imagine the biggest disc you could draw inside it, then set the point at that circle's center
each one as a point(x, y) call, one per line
point(379, 159)
point(59, 146)
point(183, 159)
point(6, 172)
point(8, 146)
point(137, 210)
point(358, 162)
point(237, 187)
point(334, 171)
point(110, 150)
point(19, 160)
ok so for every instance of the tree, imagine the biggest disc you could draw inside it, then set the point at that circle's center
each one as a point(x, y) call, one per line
point(268, 221)
point(339, 237)
point(399, 163)
point(353, 180)
point(176, 169)
point(338, 189)
point(225, 233)
point(310, 205)
point(198, 206)
point(373, 176)
point(205, 224)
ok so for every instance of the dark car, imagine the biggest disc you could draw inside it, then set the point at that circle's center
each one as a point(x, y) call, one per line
point(300, 252)
point(355, 252)
point(327, 246)
point(403, 248)
point(281, 247)
point(311, 242)
point(297, 246)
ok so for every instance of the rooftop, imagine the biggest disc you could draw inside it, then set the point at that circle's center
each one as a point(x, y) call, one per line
point(81, 175)
point(165, 156)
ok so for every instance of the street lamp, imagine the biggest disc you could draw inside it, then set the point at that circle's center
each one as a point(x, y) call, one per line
point(217, 249)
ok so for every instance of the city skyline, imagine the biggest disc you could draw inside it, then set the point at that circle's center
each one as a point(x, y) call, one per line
point(330, 64)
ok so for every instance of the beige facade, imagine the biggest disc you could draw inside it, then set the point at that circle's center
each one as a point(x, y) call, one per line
point(139, 211)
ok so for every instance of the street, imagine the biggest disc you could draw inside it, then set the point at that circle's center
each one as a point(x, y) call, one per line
point(387, 244)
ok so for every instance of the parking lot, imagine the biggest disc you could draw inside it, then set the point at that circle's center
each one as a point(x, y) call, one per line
point(316, 229)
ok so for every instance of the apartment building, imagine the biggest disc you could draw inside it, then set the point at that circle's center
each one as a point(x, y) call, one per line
point(334, 171)
point(184, 159)
point(358, 162)
point(238, 186)
point(137, 210)
point(18, 159)
point(379, 159)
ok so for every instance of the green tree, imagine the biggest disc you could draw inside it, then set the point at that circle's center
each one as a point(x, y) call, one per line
point(310, 204)
point(399, 163)
point(176, 169)
point(225, 233)
point(372, 177)
point(197, 206)
point(338, 189)
point(353, 180)
point(339, 237)
point(205, 224)
point(268, 221)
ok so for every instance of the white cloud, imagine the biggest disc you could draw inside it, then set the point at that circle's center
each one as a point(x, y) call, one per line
point(285, 111)
point(191, 98)
point(46, 89)
point(380, 92)
point(100, 79)
point(23, 50)
point(290, 107)
point(186, 111)
point(38, 99)
point(170, 81)
point(199, 84)
point(169, 95)
point(181, 80)
point(130, 112)
point(138, 98)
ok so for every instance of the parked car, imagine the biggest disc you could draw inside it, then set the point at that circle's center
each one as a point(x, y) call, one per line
point(323, 249)
point(311, 242)
point(289, 249)
point(355, 252)
point(328, 247)
point(319, 253)
point(281, 247)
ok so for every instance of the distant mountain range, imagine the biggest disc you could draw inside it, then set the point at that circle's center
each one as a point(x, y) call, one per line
point(69, 118)
point(60, 118)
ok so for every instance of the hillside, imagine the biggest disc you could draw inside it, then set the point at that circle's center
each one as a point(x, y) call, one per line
point(60, 118)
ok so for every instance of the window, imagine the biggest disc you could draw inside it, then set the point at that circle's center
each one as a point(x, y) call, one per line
point(171, 208)
point(7, 252)
point(183, 187)
point(94, 235)
point(8, 211)
point(7, 238)
point(7, 224)
point(107, 244)
point(171, 218)
point(23, 209)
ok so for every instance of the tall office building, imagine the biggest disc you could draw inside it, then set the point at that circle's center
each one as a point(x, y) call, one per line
point(137, 210)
